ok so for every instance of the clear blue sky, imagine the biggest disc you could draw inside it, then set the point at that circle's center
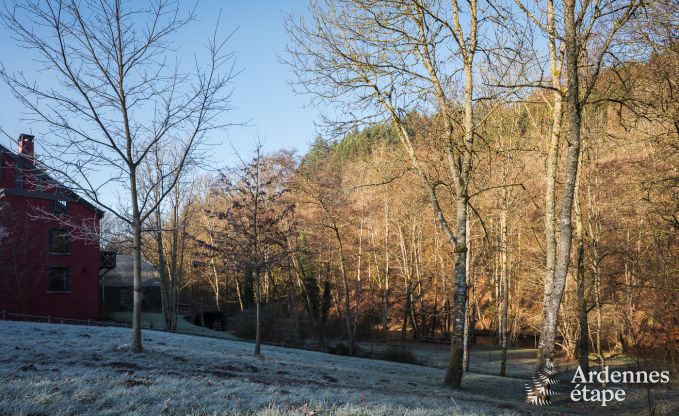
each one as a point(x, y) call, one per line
point(262, 93)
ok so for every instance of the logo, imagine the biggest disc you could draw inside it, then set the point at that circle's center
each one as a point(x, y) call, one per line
point(538, 391)
point(602, 386)
point(586, 391)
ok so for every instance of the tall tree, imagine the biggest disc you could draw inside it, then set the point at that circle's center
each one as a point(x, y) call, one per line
point(382, 60)
point(255, 222)
point(116, 99)
point(587, 32)
point(324, 189)
point(167, 228)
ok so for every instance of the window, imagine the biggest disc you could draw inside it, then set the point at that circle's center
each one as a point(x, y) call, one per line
point(59, 280)
point(60, 241)
point(59, 207)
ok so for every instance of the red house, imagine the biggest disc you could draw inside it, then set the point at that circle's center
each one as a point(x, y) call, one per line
point(49, 262)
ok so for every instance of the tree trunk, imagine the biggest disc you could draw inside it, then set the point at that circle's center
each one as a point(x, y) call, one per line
point(599, 319)
point(595, 229)
point(455, 368)
point(406, 311)
point(413, 320)
point(583, 324)
point(137, 297)
point(551, 165)
point(546, 347)
point(467, 315)
point(583, 343)
point(345, 282)
point(385, 308)
point(548, 318)
point(136, 240)
point(162, 272)
point(432, 329)
point(258, 326)
point(215, 273)
point(465, 353)
point(301, 278)
point(174, 266)
point(359, 283)
point(504, 286)
point(385, 293)
point(294, 310)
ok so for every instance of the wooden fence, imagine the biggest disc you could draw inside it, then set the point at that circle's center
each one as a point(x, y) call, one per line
point(10, 316)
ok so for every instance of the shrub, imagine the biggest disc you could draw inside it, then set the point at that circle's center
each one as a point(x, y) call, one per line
point(399, 354)
point(343, 349)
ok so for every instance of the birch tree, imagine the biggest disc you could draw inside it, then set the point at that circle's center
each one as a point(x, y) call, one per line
point(586, 33)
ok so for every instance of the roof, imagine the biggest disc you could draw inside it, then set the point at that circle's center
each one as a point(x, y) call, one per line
point(65, 190)
point(122, 275)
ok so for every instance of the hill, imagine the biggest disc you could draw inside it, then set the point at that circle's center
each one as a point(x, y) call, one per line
point(50, 369)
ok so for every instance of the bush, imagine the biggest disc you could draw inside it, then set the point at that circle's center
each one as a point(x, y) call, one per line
point(343, 349)
point(399, 354)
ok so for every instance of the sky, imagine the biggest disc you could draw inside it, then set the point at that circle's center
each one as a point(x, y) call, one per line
point(262, 94)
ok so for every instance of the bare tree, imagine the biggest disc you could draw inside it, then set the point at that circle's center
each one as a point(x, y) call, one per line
point(385, 60)
point(585, 32)
point(215, 270)
point(325, 190)
point(254, 227)
point(119, 95)
point(168, 227)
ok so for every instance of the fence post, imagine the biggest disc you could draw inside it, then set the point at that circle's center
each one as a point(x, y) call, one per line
point(4, 317)
point(49, 319)
point(88, 322)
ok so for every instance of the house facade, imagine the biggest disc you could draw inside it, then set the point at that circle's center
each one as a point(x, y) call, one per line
point(49, 259)
point(117, 287)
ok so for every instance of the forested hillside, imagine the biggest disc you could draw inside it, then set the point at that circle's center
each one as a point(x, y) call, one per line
point(347, 247)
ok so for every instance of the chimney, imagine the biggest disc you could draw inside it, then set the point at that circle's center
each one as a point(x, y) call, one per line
point(26, 147)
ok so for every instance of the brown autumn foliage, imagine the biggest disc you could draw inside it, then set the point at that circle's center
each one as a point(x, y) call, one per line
point(366, 259)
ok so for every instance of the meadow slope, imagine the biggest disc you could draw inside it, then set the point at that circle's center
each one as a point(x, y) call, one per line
point(50, 369)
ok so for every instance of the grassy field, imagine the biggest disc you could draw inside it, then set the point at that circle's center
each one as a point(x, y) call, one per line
point(50, 369)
